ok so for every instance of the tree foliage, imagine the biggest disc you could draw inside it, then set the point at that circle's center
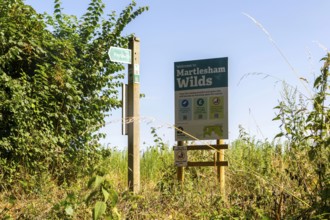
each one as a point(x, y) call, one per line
point(56, 85)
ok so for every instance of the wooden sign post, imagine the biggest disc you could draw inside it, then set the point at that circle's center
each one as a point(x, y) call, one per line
point(134, 115)
point(131, 108)
point(221, 169)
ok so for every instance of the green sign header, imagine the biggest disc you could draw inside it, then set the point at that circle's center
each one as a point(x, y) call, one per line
point(201, 74)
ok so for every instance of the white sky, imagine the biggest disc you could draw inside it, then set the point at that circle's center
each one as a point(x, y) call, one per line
point(182, 30)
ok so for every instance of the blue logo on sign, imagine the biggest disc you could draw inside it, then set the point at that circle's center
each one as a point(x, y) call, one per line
point(184, 103)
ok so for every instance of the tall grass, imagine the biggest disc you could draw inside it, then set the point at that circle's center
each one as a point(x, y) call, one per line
point(258, 186)
point(153, 161)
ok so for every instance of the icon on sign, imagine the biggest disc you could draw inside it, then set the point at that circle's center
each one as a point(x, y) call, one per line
point(181, 155)
point(216, 101)
point(184, 103)
point(200, 102)
point(179, 130)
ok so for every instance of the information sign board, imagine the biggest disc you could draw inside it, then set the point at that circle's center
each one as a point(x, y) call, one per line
point(201, 99)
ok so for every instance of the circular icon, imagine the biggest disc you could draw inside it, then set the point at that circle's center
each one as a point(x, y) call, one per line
point(181, 155)
point(185, 103)
point(200, 102)
point(180, 129)
point(216, 101)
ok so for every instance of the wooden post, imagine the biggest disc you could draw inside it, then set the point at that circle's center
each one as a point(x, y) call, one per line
point(221, 169)
point(180, 170)
point(134, 114)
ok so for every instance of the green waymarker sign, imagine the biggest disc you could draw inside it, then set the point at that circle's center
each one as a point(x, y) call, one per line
point(120, 55)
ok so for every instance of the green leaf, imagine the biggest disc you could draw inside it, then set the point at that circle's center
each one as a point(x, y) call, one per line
point(57, 4)
point(288, 129)
point(277, 118)
point(312, 154)
point(115, 213)
point(99, 210)
point(69, 210)
point(68, 85)
point(95, 181)
point(105, 194)
point(317, 81)
point(114, 197)
point(279, 135)
point(91, 195)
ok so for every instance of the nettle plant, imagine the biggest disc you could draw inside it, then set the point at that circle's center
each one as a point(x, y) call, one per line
point(306, 127)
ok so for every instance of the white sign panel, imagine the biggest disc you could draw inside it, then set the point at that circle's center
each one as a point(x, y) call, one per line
point(201, 99)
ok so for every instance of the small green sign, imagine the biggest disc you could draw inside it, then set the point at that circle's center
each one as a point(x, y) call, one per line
point(120, 55)
point(136, 75)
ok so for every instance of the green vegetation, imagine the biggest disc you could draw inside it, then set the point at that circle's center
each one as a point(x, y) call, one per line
point(57, 84)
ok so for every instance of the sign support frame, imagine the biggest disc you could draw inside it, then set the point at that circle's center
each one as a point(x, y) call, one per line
point(219, 162)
